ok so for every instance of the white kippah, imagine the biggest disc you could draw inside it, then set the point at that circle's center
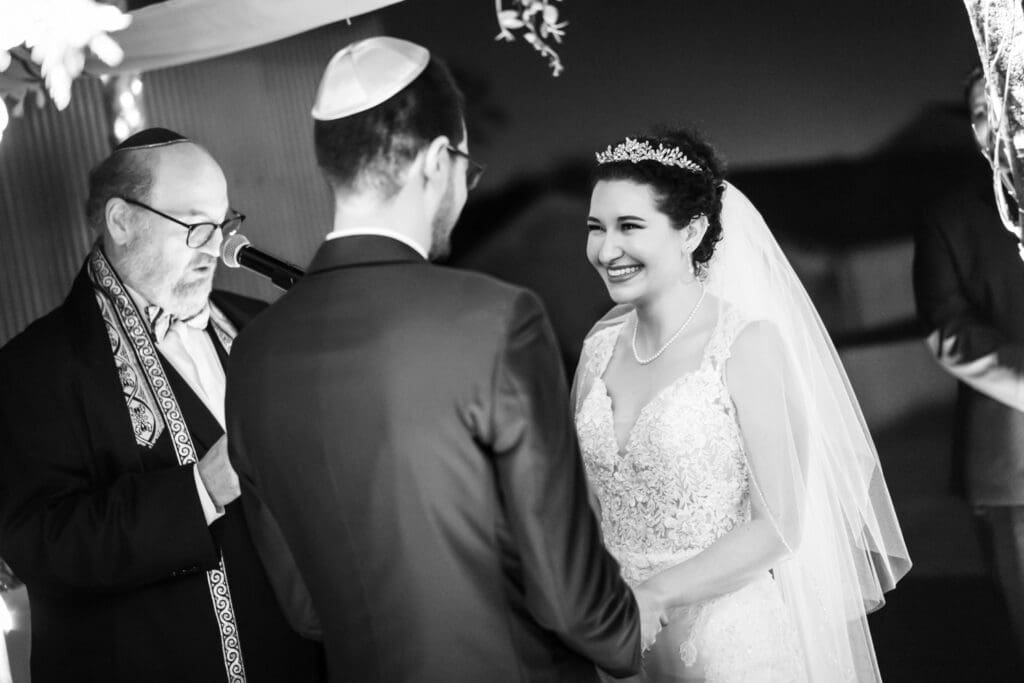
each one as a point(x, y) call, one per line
point(364, 74)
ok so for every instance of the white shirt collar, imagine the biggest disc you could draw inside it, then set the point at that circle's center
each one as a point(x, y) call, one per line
point(381, 232)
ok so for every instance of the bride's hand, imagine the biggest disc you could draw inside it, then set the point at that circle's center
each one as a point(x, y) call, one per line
point(652, 615)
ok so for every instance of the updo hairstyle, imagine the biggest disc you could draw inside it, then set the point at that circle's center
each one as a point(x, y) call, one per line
point(680, 194)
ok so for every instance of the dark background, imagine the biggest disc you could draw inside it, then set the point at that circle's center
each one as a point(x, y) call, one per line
point(841, 120)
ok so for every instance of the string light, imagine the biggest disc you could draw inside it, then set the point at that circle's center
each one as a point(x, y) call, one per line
point(4, 118)
point(6, 618)
point(124, 96)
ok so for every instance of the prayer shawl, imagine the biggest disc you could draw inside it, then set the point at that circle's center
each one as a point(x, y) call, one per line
point(152, 408)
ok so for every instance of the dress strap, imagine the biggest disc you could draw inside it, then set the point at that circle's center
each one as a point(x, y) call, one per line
point(599, 348)
point(730, 323)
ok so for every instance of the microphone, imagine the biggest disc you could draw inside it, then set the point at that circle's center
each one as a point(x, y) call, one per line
point(236, 251)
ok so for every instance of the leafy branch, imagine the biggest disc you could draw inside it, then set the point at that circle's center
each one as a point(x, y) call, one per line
point(538, 21)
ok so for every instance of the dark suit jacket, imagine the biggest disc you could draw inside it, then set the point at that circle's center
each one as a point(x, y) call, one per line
point(969, 285)
point(408, 426)
point(109, 536)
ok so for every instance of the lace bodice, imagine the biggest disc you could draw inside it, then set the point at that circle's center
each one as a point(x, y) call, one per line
point(682, 480)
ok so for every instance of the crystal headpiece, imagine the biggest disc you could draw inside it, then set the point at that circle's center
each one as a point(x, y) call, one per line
point(635, 151)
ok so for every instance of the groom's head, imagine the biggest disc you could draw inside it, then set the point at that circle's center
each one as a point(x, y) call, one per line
point(389, 127)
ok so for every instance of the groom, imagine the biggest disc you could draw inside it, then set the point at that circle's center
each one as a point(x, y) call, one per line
point(408, 425)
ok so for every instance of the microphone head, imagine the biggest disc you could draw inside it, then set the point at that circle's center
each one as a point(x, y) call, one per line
point(230, 247)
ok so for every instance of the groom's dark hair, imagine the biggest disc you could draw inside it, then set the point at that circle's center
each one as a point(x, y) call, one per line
point(369, 150)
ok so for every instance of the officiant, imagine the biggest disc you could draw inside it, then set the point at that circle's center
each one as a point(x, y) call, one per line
point(117, 500)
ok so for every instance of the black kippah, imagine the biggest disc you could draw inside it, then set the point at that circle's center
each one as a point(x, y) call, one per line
point(151, 137)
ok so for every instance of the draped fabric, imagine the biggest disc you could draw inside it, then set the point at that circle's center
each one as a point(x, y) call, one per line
point(183, 31)
point(178, 32)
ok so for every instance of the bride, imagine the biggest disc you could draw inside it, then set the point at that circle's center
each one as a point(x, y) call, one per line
point(737, 483)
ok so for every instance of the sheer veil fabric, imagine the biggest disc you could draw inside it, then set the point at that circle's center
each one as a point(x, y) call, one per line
point(819, 479)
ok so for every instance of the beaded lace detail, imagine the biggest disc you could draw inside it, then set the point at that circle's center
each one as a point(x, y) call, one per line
point(680, 482)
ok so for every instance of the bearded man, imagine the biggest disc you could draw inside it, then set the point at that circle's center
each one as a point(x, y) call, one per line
point(117, 499)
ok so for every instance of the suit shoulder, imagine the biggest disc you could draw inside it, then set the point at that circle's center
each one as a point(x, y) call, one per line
point(967, 208)
point(478, 301)
point(238, 308)
point(485, 288)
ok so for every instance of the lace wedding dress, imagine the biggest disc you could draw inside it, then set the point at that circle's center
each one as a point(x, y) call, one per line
point(679, 483)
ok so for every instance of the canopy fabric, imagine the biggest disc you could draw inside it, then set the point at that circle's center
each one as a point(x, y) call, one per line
point(181, 31)
point(176, 32)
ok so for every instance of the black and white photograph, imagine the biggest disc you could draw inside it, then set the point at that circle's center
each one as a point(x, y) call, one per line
point(511, 341)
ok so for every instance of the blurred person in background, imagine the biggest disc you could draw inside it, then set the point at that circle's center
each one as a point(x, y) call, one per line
point(969, 288)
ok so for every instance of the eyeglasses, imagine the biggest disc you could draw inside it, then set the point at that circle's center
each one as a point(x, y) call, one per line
point(198, 233)
point(473, 169)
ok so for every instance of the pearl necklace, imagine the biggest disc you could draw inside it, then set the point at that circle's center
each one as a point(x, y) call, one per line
point(646, 361)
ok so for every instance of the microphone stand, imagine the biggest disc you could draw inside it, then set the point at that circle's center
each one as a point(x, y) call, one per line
point(237, 252)
point(284, 275)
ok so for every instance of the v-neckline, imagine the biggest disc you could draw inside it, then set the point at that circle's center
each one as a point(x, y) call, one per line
point(622, 449)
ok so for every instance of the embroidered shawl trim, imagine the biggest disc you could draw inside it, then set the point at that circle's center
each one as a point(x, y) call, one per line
point(153, 408)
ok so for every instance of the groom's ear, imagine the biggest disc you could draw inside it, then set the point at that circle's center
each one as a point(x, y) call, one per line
point(436, 160)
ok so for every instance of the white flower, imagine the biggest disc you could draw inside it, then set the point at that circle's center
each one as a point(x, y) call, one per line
point(509, 18)
point(106, 50)
point(57, 32)
point(556, 31)
point(538, 19)
point(18, 16)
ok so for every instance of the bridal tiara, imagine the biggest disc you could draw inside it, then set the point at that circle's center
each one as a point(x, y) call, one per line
point(635, 151)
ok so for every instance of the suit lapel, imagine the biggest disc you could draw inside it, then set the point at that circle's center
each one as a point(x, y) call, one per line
point(99, 375)
point(222, 354)
point(201, 423)
point(93, 347)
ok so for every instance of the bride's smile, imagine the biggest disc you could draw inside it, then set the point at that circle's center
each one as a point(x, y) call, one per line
point(634, 246)
point(622, 273)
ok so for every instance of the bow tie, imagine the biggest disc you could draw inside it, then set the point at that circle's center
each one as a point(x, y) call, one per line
point(160, 321)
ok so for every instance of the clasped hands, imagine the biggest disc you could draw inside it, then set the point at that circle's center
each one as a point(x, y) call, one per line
point(653, 615)
point(218, 475)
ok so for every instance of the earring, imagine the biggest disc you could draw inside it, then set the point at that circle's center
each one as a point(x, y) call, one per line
point(690, 266)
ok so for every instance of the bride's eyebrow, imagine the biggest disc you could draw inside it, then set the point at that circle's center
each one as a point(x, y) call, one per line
point(632, 218)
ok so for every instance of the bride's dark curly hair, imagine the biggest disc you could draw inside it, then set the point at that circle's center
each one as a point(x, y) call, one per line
point(680, 194)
